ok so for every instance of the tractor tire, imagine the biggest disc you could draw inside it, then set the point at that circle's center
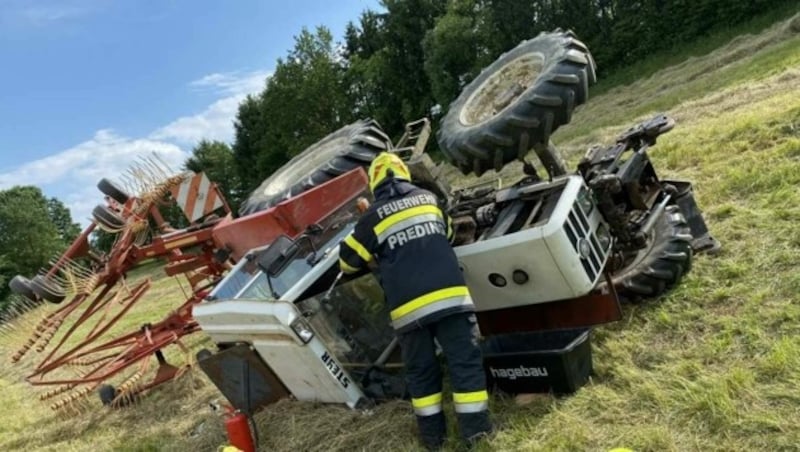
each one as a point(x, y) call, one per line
point(658, 267)
point(47, 290)
point(21, 285)
point(107, 218)
point(113, 191)
point(350, 147)
point(517, 102)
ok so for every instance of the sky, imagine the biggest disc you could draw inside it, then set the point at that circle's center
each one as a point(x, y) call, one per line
point(89, 87)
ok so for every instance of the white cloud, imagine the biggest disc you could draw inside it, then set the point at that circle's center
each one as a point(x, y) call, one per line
point(216, 121)
point(104, 154)
point(71, 175)
point(46, 14)
point(43, 13)
point(233, 83)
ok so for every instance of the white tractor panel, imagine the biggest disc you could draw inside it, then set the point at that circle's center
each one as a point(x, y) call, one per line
point(308, 371)
point(546, 253)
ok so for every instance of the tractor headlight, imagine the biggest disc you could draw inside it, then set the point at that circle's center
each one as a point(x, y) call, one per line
point(603, 237)
point(302, 329)
point(585, 201)
point(584, 248)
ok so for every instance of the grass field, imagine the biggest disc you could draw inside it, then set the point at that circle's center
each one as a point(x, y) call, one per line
point(714, 365)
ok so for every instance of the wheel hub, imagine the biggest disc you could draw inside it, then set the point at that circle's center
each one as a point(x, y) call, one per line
point(500, 90)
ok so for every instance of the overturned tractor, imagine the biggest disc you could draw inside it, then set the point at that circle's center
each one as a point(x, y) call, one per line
point(546, 258)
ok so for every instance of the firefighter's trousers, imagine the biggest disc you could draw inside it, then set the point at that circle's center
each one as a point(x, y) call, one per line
point(457, 335)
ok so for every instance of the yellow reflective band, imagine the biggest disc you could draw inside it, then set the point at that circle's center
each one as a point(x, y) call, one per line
point(432, 297)
point(449, 227)
point(358, 248)
point(347, 268)
point(433, 399)
point(393, 219)
point(470, 397)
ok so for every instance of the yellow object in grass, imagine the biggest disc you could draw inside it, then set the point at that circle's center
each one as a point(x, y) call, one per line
point(229, 449)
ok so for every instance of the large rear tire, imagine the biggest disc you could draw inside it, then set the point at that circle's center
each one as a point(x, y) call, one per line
point(659, 266)
point(350, 147)
point(517, 102)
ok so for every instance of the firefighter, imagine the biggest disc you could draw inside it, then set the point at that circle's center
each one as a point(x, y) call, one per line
point(406, 237)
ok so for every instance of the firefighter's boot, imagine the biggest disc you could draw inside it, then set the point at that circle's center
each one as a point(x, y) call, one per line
point(432, 430)
point(474, 426)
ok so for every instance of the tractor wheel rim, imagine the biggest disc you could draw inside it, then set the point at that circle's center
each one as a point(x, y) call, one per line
point(499, 91)
point(294, 173)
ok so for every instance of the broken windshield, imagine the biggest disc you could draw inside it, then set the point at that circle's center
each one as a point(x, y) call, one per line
point(259, 287)
point(247, 280)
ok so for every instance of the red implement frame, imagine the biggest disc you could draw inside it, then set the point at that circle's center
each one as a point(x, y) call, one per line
point(200, 252)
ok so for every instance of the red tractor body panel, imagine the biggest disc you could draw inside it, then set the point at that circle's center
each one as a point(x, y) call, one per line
point(290, 217)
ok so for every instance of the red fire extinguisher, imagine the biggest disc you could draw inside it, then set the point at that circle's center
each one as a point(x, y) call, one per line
point(237, 427)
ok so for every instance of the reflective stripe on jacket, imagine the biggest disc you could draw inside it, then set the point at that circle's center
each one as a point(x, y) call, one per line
point(407, 234)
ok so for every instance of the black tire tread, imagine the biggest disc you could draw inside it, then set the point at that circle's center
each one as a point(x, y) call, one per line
point(366, 140)
point(102, 214)
point(112, 190)
point(47, 289)
point(536, 114)
point(667, 261)
point(21, 285)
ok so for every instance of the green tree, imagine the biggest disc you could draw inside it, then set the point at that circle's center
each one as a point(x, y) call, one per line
point(249, 142)
point(514, 20)
point(5, 277)
point(62, 219)
point(216, 160)
point(305, 99)
point(457, 48)
point(387, 62)
point(102, 240)
point(28, 236)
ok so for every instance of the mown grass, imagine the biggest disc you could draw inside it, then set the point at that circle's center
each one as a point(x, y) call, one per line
point(158, 419)
point(713, 365)
point(745, 59)
point(716, 38)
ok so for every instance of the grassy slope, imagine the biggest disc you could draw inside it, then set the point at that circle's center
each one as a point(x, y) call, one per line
point(714, 365)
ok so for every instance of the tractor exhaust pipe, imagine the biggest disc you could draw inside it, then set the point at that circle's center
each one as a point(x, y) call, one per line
point(654, 215)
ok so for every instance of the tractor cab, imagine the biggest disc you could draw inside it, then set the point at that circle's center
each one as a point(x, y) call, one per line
point(286, 324)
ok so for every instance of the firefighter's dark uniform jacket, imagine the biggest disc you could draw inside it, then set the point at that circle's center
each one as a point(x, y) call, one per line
point(407, 233)
point(403, 224)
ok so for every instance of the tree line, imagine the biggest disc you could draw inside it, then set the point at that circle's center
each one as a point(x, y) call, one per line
point(413, 58)
point(33, 230)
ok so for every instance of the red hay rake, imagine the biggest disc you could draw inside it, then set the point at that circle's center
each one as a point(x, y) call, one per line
point(75, 342)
